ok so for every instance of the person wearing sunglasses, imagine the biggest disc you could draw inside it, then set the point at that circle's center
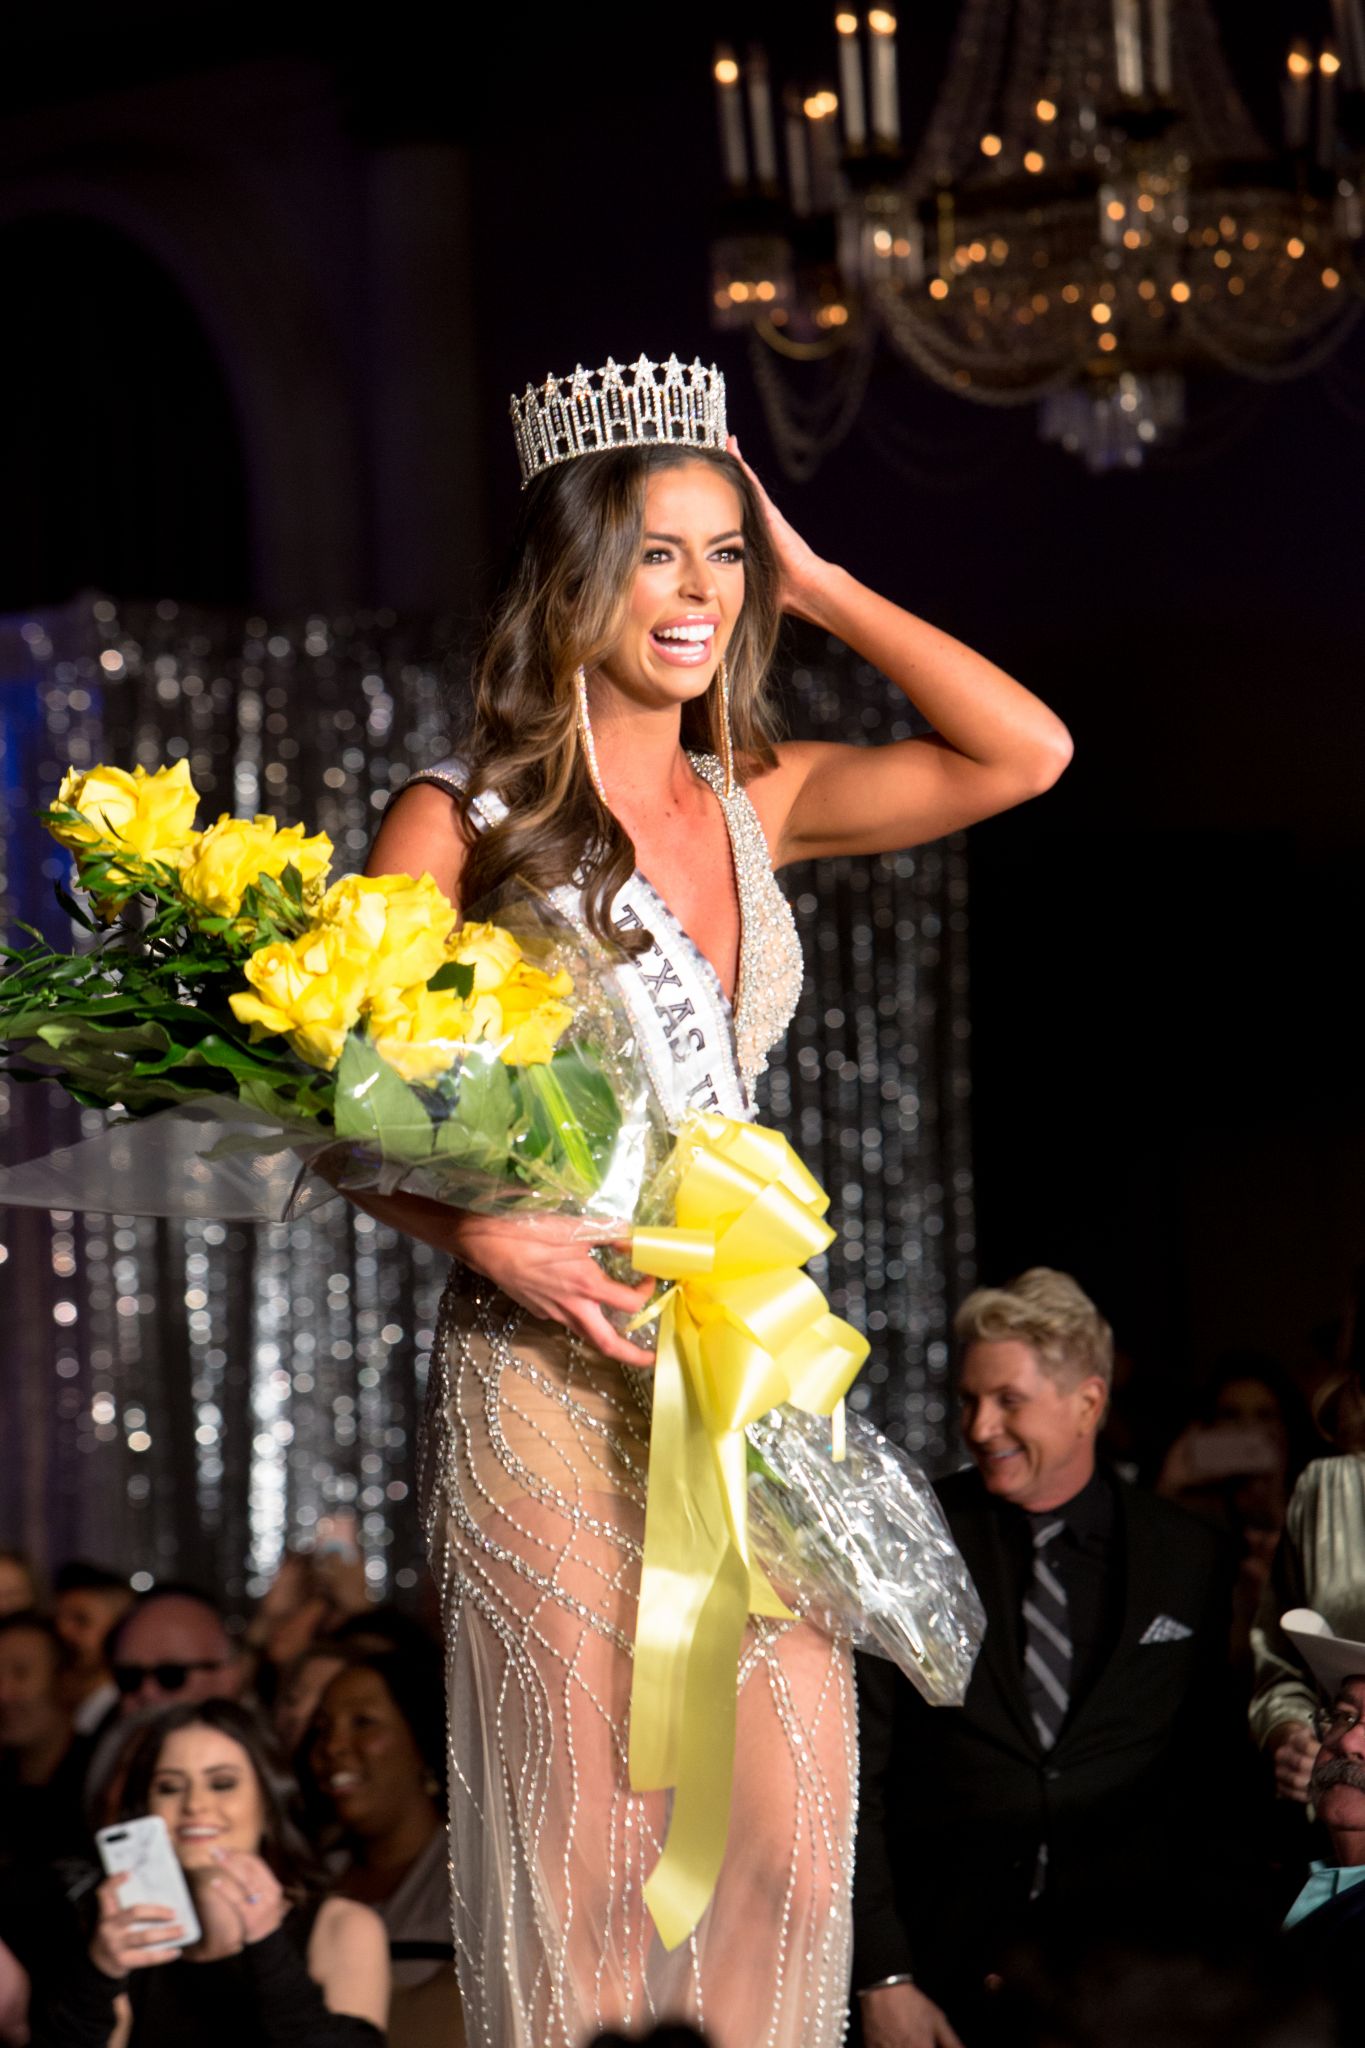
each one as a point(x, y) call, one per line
point(173, 1646)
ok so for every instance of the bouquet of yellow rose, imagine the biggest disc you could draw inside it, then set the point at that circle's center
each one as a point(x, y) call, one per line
point(358, 1018)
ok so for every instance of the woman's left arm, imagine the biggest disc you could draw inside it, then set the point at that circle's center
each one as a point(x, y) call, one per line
point(994, 743)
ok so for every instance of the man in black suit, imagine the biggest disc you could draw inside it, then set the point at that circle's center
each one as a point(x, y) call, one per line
point(1061, 1794)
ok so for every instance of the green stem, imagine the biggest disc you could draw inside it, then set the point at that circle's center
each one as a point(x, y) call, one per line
point(542, 1081)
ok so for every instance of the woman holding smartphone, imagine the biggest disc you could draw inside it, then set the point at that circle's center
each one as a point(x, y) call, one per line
point(277, 1962)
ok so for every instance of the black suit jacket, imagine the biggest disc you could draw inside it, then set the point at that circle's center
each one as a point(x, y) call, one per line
point(956, 1801)
point(1328, 1950)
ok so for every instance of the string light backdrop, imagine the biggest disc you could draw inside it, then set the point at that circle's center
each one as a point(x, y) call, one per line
point(188, 1398)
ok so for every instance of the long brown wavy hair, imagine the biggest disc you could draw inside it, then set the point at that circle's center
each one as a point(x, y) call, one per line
point(560, 608)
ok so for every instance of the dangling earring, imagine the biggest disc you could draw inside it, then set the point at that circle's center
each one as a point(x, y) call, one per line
point(585, 738)
point(727, 745)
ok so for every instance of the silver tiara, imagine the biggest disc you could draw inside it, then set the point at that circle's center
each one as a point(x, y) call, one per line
point(612, 408)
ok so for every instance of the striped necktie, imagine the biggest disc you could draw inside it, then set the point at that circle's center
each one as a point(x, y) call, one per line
point(1047, 1639)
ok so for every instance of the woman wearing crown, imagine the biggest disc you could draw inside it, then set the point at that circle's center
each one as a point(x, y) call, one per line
point(622, 730)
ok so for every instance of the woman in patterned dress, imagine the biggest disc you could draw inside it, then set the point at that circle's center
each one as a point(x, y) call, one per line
point(647, 585)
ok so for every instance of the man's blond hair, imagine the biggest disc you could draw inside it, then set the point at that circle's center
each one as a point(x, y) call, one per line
point(1050, 1313)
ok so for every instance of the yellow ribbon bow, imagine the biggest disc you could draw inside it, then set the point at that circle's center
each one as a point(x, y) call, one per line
point(742, 1331)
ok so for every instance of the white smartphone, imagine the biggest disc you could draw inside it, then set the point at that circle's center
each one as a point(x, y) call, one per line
point(143, 1848)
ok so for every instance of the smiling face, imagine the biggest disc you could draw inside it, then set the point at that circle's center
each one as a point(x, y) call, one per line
point(205, 1789)
point(687, 592)
point(364, 1755)
point(1337, 1787)
point(1032, 1434)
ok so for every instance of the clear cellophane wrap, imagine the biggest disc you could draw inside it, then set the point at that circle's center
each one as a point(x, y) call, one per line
point(860, 1547)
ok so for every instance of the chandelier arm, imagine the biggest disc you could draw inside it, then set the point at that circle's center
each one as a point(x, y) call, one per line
point(800, 451)
point(1026, 67)
point(1205, 90)
point(919, 342)
point(1328, 341)
point(963, 105)
point(811, 416)
point(802, 351)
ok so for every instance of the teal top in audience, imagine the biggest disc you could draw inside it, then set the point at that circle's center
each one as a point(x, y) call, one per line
point(1325, 1880)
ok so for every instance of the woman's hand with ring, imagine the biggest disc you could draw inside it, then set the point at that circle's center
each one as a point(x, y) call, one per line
point(248, 1889)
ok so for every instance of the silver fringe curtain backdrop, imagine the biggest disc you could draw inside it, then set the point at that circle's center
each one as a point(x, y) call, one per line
point(187, 1399)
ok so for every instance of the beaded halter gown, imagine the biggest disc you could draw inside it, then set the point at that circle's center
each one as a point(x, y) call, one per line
point(534, 1493)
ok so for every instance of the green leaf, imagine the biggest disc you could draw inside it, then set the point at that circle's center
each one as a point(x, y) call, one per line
point(74, 910)
point(456, 974)
point(291, 881)
point(77, 1038)
point(375, 1104)
point(483, 1127)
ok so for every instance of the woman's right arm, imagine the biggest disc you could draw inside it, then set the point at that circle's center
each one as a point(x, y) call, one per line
point(543, 1262)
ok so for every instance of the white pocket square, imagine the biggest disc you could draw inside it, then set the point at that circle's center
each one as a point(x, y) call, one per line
point(1165, 1629)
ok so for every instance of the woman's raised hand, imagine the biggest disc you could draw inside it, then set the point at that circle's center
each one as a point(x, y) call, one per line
point(798, 564)
point(132, 1937)
point(240, 1901)
point(546, 1264)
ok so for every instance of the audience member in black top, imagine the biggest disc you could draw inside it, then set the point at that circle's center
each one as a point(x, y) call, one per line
point(42, 1759)
point(88, 1602)
point(277, 1963)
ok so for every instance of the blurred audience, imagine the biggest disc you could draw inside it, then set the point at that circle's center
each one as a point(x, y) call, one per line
point(277, 1962)
point(299, 1693)
point(87, 1604)
point(1319, 1563)
point(18, 1583)
point(1234, 1465)
point(42, 1759)
point(313, 1593)
point(378, 1758)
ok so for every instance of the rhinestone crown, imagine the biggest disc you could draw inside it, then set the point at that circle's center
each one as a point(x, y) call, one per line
point(615, 408)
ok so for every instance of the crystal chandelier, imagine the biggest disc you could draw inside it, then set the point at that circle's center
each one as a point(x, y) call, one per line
point(1090, 216)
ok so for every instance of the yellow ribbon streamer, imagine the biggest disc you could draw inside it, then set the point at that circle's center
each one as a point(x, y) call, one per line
point(741, 1331)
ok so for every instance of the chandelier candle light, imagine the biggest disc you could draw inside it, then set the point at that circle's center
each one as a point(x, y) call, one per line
point(1089, 218)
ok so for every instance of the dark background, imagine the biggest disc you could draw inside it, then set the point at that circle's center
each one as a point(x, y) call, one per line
point(1166, 1040)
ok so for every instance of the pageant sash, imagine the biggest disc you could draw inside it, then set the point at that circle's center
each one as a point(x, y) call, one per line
point(672, 993)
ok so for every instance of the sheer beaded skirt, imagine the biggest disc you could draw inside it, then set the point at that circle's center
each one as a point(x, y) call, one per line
point(534, 1480)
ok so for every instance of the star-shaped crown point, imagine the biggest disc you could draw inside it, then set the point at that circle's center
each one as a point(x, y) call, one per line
point(593, 411)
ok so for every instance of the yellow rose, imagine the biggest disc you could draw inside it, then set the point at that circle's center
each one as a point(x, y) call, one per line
point(490, 951)
point(397, 926)
point(150, 815)
point(419, 1033)
point(308, 990)
point(534, 1014)
point(234, 853)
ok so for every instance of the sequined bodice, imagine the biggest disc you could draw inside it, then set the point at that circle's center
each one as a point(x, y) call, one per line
point(770, 962)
